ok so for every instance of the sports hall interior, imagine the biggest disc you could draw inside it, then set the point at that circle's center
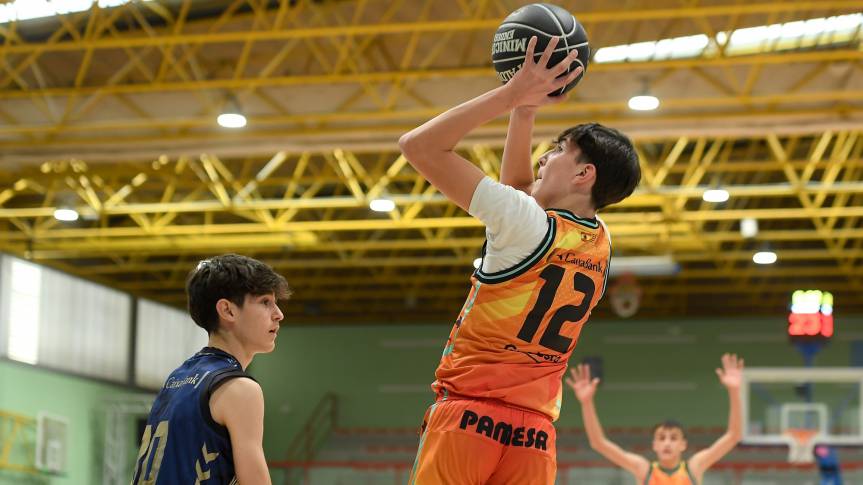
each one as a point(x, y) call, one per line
point(119, 172)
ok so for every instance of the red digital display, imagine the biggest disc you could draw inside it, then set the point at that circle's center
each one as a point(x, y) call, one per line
point(811, 316)
point(810, 325)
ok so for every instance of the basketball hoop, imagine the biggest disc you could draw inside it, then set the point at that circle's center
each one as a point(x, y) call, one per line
point(801, 443)
point(774, 416)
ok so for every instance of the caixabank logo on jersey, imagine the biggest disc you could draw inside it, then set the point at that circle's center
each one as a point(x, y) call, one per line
point(574, 258)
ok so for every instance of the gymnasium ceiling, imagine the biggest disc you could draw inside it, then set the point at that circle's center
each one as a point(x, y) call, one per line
point(113, 111)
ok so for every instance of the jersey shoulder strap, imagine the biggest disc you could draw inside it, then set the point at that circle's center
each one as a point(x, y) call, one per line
point(211, 384)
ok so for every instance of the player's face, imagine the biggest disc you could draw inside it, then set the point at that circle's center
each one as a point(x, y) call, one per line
point(258, 322)
point(669, 444)
point(558, 174)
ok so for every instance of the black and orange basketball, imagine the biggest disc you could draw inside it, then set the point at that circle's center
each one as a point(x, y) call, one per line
point(544, 21)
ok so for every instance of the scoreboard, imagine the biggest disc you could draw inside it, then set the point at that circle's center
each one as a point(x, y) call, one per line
point(811, 317)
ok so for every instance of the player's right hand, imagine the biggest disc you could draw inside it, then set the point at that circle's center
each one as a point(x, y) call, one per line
point(731, 373)
point(532, 83)
point(581, 383)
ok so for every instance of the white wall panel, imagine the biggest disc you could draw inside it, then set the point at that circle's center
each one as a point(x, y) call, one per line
point(84, 327)
point(166, 337)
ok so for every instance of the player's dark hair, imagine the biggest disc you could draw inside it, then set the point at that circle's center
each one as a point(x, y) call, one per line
point(232, 277)
point(670, 424)
point(613, 155)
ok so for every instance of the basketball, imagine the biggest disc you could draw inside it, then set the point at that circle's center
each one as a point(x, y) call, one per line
point(544, 21)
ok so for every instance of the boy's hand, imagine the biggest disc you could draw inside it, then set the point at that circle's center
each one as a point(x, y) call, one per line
point(532, 83)
point(580, 382)
point(731, 373)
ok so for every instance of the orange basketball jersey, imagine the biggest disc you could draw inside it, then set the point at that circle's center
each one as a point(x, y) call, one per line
point(518, 327)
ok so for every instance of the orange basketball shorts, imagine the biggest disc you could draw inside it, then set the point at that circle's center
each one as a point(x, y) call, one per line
point(470, 442)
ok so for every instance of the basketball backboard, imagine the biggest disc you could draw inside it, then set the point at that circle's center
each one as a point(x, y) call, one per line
point(801, 407)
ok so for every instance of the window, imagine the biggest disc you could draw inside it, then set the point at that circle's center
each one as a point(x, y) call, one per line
point(25, 284)
point(166, 337)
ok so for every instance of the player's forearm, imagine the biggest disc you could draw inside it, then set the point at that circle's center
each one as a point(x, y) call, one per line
point(251, 466)
point(445, 131)
point(516, 170)
point(592, 426)
point(735, 426)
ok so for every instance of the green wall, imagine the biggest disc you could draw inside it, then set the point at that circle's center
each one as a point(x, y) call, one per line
point(28, 390)
point(381, 373)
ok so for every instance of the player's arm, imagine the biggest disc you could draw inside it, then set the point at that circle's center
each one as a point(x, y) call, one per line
point(430, 148)
point(516, 169)
point(730, 375)
point(239, 406)
point(585, 388)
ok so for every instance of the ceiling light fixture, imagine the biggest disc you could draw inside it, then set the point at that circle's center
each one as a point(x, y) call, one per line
point(663, 265)
point(644, 101)
point(764, 257)
point(232, 115)
point(748, 228)
point(715, 195)
point(799, 34)
point(382, 205)
point(19, 10)
point(65, 214)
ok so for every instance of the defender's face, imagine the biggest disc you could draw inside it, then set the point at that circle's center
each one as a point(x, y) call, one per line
point(557, 172)
point(669, 444)
point(258, 322)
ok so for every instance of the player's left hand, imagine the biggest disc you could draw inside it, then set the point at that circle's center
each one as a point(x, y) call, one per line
point(582, 383)
point(532, 83)
point(731, 373)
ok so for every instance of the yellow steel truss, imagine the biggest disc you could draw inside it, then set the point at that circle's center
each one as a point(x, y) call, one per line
point(339, 70)
point(111, 112)
point(145, 223)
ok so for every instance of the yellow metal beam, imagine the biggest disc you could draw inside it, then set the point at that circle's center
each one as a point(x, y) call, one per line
point(403, 75)
point(166, 39)
point(293, 187)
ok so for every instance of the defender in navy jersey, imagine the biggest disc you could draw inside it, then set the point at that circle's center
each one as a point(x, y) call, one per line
point(206, 425)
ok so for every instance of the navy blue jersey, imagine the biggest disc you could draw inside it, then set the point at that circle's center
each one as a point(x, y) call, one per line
point(182, 444)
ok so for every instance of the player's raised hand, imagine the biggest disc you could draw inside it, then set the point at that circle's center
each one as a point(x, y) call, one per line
point(536, 79)
point(580, 382)
point(731, 373)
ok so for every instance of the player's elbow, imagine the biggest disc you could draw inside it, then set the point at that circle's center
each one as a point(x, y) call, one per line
point(420, 147)
point(411, 145)
point(734, 435)
point(729, 440)
point(407, 141)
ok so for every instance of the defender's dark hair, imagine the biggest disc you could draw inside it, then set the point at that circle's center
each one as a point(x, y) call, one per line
point(229, 276)
point(670, 424)
point(613, 155)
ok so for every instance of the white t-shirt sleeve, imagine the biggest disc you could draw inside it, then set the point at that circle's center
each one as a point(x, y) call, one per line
point(515, 224)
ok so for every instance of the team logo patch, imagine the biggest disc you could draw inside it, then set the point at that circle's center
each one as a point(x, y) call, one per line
point(588, 237)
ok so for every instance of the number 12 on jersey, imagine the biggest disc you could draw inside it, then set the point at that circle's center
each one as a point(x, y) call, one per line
point(551, 338)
